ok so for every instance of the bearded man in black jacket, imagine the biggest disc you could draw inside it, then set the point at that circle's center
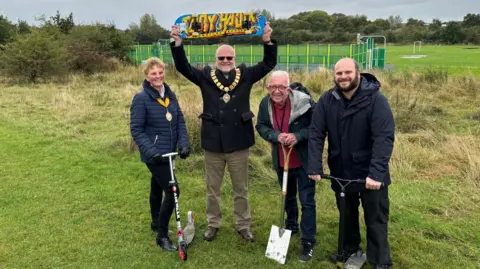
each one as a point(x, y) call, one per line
point(360, 127)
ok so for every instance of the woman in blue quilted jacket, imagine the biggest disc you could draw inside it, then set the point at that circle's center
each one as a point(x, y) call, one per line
point(158, 127)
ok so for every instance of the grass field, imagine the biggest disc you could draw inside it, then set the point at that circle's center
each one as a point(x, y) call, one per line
point(454, 60)
point(74, 195)
point(458, 60)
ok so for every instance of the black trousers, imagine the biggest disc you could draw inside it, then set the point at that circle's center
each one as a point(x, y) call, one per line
point(161, 210)
point(375, 205)
point(156, 195)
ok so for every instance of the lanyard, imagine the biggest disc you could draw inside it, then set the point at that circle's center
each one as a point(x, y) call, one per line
point(166, 103)
point(168, 115)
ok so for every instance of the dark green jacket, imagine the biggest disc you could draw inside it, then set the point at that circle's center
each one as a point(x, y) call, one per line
point(300, 116)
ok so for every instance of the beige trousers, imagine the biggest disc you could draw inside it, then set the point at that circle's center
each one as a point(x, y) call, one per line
point(237, 163)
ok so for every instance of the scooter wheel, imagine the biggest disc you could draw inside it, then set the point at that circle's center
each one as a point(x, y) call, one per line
point(183, 253)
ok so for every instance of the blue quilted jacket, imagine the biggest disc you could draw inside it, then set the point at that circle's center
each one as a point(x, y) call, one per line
point(149, 127)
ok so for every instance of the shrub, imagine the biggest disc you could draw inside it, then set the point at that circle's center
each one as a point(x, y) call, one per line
point(91, 47)
point(33, 56)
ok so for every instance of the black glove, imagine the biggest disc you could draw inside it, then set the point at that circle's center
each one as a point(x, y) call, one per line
point(184, 152)
point(158, 159)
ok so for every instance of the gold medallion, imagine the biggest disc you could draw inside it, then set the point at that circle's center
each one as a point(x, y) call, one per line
point(226, 97)
point(224, 88)
point(168, 116)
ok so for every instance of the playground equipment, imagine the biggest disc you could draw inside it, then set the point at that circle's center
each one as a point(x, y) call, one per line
point(372, 51)
point(291, 57)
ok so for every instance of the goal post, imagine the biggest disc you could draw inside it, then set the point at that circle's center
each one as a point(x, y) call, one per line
point(419, 46)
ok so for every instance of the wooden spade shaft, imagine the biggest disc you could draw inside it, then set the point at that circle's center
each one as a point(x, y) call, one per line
point(284, 186)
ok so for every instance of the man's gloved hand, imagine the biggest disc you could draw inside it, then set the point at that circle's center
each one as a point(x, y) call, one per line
point(184, 152)
point(157, 158)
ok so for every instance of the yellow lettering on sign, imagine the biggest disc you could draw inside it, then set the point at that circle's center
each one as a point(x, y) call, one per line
point(213, 34)
point(253, 18)
point(223, 22)
point(186, 19)
point(205, 26)
point(238, 20)
point(236, 31)
point(212, 21)
point(231, 21)
point(203, 18)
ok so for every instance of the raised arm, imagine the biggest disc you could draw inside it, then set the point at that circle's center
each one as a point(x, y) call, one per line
point(270, 52)
point(180, 58)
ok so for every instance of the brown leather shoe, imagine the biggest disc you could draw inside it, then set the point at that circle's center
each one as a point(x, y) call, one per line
point(210, 234)
point(246, 234)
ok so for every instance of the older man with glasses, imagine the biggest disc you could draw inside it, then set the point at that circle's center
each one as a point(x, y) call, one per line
point(283, 120)
point(227, 124)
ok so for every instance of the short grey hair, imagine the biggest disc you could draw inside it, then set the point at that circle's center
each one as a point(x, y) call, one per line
point(281, 73)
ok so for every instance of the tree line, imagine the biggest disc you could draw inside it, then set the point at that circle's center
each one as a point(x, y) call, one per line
point(320, 27)
point(58, 46)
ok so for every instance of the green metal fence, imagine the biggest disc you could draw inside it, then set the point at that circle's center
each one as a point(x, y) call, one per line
point(290, 57)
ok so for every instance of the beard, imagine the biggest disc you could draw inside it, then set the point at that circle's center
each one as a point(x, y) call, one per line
point(353, 84)
point(225, 68)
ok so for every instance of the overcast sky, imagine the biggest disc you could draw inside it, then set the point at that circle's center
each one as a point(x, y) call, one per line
point(123, 12)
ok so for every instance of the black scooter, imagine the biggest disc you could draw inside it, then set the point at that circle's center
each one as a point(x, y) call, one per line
point(182, 243)
point(356, 260)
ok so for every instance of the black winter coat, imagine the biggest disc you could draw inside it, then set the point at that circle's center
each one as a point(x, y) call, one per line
point(360, 134)
point(149, 127)
point(226, 127)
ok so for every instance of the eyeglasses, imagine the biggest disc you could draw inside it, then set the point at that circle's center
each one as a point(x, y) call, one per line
point(221, 58)
point(277, 87)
